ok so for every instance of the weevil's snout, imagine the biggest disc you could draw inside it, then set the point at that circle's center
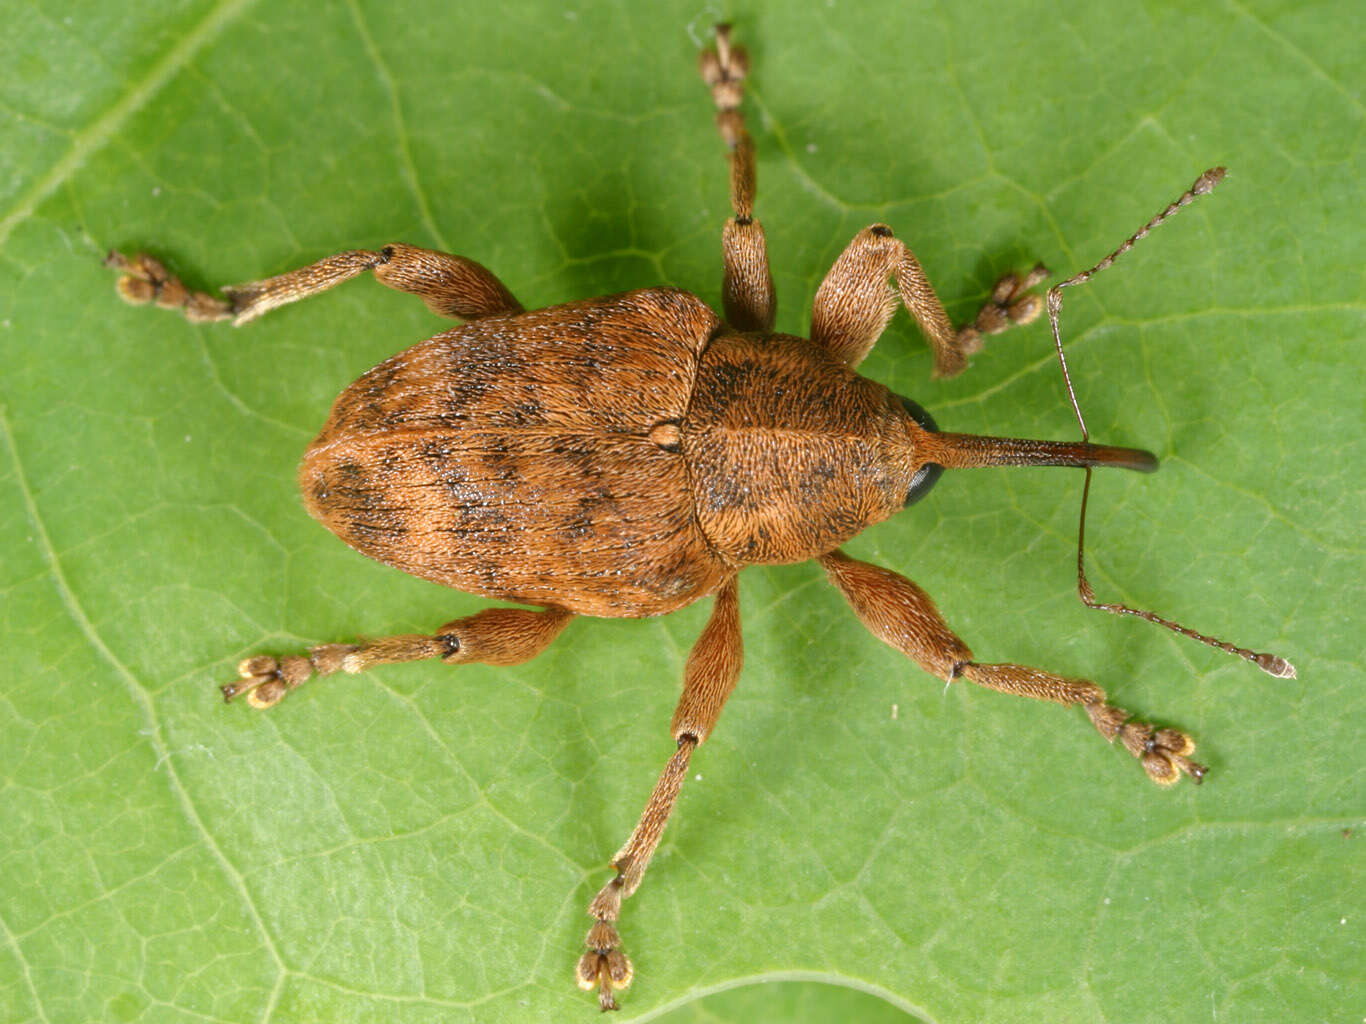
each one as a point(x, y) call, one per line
point(937, 450)
point(929, 472)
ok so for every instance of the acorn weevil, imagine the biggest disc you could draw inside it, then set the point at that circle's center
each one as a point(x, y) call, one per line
point(625, 456)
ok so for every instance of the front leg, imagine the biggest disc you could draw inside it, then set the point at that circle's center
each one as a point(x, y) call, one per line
point(902, 615)
point(853, 303)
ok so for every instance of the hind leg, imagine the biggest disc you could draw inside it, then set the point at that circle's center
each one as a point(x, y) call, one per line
point(496, 636)
point(451, 286)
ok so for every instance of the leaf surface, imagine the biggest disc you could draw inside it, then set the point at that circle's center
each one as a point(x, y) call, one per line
point(418, 843)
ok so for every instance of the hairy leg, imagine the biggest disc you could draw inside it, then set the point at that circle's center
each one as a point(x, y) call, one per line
point(495, 636)
point(451, 286)
point(853, 304)
point(902, 615)
point(747, 290)
point(712, 670)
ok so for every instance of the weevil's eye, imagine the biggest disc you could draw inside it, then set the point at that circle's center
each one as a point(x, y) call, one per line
point(927, 474)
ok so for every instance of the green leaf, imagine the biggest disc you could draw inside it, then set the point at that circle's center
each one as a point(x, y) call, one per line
point(419, 843)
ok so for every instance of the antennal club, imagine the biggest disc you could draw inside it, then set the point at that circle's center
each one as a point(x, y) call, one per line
point(1270, 663)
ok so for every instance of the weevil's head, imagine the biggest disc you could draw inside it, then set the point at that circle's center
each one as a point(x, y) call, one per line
point(927, 473)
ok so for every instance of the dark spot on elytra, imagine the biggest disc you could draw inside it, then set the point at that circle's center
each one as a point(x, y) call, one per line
point(355, 499)
point(503, 466)
point(577, 528)
point(597, 504)
point(371, 415)
point(582, 456)
point(377, 383)
point(436, 453)
point(672, 578)
point(815, 481)
point(599, 348)
point(525, 412)
point(466, 390)
point(494, 444)
point(390, 528)
point(477, 523)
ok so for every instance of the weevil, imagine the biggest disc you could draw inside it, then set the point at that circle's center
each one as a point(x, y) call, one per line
point(626, 456)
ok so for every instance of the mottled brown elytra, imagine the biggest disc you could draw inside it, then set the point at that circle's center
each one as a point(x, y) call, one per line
point(628, 455)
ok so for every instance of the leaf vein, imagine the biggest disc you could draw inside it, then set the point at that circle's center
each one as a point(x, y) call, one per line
point(94, 136)
point(140, 696)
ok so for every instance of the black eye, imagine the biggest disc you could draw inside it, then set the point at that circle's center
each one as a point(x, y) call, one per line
point(927, 474)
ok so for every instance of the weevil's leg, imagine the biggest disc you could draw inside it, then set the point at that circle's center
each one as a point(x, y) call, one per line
point(902, 615)
point(710, 675)
point(496, 636)
point(853, 303)
point(145, 279)
point(747, 289)
point(450, 285)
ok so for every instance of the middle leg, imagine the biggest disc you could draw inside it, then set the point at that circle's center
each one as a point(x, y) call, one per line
point(712, 670)
point(853, 304)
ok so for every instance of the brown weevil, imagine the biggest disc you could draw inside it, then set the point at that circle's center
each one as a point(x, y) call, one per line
point(628, 455)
